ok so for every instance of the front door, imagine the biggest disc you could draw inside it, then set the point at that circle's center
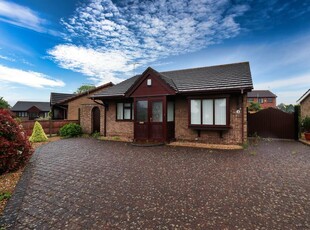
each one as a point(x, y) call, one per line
point(149, 119)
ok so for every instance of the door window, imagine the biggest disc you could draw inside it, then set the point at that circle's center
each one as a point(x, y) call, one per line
point(157, 111)
point(142, 110)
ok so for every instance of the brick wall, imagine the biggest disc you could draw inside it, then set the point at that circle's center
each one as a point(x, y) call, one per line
point(305, 107)
point(232, 136)
point(118, 128)
point(266, 104)
point(86, 118)
point(75, 105)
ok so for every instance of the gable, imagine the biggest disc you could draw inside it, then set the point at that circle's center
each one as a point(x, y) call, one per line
point(33, 109)
point(157, 86)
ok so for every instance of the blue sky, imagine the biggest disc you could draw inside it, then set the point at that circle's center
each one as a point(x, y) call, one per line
point(56, 46)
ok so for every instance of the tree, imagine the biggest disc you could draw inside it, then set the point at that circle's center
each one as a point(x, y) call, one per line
point(286, 108)
point(38, 134)
point(4, 104)
point(84, 88)
point(255, 106)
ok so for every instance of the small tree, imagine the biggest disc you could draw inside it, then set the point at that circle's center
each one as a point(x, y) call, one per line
point(255, 106)
point(38, 134)
point(4, 104)
point(84, 88)
point(15, 149)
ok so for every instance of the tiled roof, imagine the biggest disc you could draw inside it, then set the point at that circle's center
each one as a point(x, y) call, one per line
point(221, 77)
point(57, 97)
point(260, 93)
point(25, 105)
point(98, 89)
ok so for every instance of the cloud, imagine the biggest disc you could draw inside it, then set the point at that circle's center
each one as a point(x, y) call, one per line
point(135, 31)
point(22, 16)
point(28, 78)
point(7, 58)
point(100, 66)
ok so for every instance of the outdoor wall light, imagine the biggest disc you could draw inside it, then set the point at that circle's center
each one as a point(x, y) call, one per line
point(149, 82)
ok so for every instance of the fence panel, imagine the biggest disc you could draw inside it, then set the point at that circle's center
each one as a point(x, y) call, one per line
point(272, 123)
point(49, 126)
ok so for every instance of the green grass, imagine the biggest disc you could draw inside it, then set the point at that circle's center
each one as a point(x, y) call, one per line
point(5, 195)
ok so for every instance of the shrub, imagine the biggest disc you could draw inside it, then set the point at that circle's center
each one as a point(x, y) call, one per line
point(38, 134)
point(305, 124)
point(15, 149)
point(255, 106)
point(70, 130)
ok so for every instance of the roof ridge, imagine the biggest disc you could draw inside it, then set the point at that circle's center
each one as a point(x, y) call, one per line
point(203, 67)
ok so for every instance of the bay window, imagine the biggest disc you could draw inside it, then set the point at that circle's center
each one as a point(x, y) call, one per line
point(209, 112)
point(124, 111)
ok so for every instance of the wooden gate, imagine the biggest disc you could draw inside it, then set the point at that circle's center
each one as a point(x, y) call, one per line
point(96, 119)
point(273, 123)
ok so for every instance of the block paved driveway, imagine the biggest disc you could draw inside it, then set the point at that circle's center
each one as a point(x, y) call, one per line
point(90, 184)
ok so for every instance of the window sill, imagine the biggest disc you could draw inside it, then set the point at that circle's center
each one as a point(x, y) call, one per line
point(124, 120)
point(213, 127)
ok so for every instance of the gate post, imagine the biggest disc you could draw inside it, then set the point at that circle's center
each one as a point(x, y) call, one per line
point(296, 122)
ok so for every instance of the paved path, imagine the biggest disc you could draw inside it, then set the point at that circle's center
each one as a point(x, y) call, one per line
point(90, 184)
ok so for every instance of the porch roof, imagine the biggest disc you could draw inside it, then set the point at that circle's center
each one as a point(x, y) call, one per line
point(220, 77)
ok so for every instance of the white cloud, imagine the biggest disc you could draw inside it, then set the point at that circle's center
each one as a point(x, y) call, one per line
point(28, 78)
point(7, 58)
point(22, 16)
point(100, 66)
point(142, 32)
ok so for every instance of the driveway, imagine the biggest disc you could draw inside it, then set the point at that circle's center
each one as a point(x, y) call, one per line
point(90, 184)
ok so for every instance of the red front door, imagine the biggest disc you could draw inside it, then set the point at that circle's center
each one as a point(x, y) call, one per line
point(149, 119)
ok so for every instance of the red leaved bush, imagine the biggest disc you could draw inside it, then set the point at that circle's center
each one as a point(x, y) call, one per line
point(15, 149)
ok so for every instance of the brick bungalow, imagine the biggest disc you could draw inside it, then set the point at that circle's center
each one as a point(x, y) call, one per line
point(59, 110)
point(80, 107)
point(265, 98)
point(30, 110)
point(304, 102)
point(202, 104)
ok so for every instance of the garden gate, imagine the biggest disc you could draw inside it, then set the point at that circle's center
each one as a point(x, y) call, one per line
point(273, 123)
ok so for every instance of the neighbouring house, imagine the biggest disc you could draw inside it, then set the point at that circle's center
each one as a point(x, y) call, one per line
point(304, 102)
point(59, 111)
point(80, 105)
point(30, 110)
point(264, 97)
point(205, 104)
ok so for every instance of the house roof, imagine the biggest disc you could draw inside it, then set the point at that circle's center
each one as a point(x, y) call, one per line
point(304, 96)
point(25, 105)
point(260, 93)
point(57, 97)
point(95, 90)
point(221, 77)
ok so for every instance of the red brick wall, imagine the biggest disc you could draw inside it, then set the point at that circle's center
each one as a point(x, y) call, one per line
point(266, 104)
point(118, 128)
point(232, 136)
point(305, 107)
point(86, 118)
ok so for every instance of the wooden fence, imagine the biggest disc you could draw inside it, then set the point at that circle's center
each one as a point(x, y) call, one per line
point(273, 123)
point(49, 126)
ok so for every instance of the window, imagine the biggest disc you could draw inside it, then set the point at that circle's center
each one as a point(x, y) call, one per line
point(269, 100)
point(170, 111)
point(250, 99)
point(124, 111)
point(260, 100)
point(208, 112)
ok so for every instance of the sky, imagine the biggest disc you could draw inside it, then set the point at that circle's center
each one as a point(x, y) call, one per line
point(56, 46)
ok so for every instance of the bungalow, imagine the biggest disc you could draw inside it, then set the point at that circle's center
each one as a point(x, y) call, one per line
point(304, 102)
point(80, 105)
point(30, 110)
point(265, 98)
point(205, 104)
